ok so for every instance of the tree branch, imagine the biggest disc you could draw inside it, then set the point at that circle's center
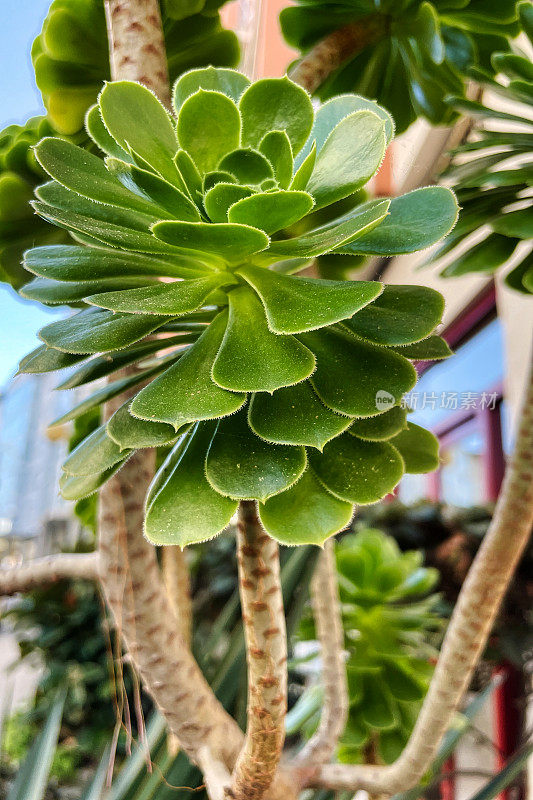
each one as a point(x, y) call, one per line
point(266, 651)
point(178, 586)
point(469, 628)
point(328, 622)
point(27, 576)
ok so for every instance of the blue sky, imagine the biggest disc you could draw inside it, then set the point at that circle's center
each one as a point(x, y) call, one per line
point(21, 22)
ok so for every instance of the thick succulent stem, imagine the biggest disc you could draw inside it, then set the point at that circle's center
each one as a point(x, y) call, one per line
point(329, 53)
point(178, 586)
point(266, 650)
point(469, 628)
point(25, 577)
point(330, 633)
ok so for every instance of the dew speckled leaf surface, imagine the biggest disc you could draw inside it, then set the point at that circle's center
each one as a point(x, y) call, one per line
point(419, 448)
point(92, 331)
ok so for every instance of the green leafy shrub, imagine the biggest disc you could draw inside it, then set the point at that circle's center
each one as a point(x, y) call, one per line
point(493, 172)
point(407, 54)
point(268, 384)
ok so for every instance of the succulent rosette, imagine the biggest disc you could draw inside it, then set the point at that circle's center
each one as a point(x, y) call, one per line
point(266, 385)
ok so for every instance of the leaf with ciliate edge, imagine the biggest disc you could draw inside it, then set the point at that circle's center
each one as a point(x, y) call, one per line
point(76, 487)
point(243, 466)
point(209, 126)
point(131, 433)
point(252, 358)
point(295, 416)
point(350, 372)
point(186, 392)
point(271, 211)
point(176, 298)
point(382, 427)
point(357, 471)
point(186, 509)
point(304, 171)
point(305, 514)
point(277, 148)
point(52, 292)
point(215, 79)
point(96, 453)
point(276, 104)
point(99, 134)
point(401, 315)
point(348, 159)
point(212, 240)
point(47, 359)
point(91, 331)
point(295, 305)
point(431, 349)
point(418, 447)
point(221, 197)
point(416, 221)
point(330, 236)
point(249, 166)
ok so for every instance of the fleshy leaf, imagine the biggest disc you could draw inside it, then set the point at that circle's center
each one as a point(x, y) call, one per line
point(92, 331)
point(277, 148)
point(185, 509)
point(221, 197)
point(228, 81)
point(382, 427)
point(295, 305)
point(132, 433)
point(275, 104)
point(96, 453)
point(431, 349)
point(296, 416)
point(251, 357)
point(47, 359)
point(248, 165)
point(219, 240)
point(76, 487)
point(357, 471)
point(52, 292)
point(209, 126)
point(186, 392)
point(176, 298)
point(99, 134)
point(349, 157)
point(243, 466)
point(352, 375)
point(305, 170)
point(305, 514)
point(271, 211)
point(418, 447)
point(400, 315)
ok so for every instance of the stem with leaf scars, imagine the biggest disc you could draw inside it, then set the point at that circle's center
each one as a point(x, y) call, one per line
point(25, 577)
point(177, 581)
point(266, 649)
point(329, 53)
point(469, 628)
point(330, 633)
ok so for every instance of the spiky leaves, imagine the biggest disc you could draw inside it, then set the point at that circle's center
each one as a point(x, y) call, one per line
point(268, 379)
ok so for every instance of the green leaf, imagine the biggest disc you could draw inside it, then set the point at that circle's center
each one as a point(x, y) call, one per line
point(305, 514)
point(131, 433)
point(515, 223)
point(486, 256)
point(91, 331)
point(86, 174)
point(99, 134)
point(350, 372)
point(376, 709)
point(176, 298)
point(431, 349)
point(52, 292)
point(136, 120)
point(276, 104)
point(382, 427)
point(507, 775)
point(249, 166)
point(333, 235)
point(221, 197)
point(271, 211)
point(216, 79)
point(77, 487)
point(219, 240)
point(186, 392)
point(350, 156)
point(252, 358)
point(402, 683)
point(209, 126)
point(357, 471)
point(243, 466)
point(276, 147)
point(305, 170)
point(46, 359)
point(418, 448)
point(185, 509)
point(295, 305)
point(296, 416)
point(416, 220)
point(95, 454)
point(400, 315)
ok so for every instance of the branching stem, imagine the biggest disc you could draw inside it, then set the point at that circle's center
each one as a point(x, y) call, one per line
point(34, 573)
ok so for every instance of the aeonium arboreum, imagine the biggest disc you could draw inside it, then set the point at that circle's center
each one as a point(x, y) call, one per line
point(264, 385)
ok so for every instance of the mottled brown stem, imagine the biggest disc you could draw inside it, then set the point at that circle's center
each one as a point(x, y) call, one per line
point(332, 51)
point(266, 651)
point(330, 633)
point(479, 601)
point(177, 582)
point(27, 576)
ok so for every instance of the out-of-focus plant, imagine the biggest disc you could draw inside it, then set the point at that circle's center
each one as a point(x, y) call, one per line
point(492, 172)
point(390, 623)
